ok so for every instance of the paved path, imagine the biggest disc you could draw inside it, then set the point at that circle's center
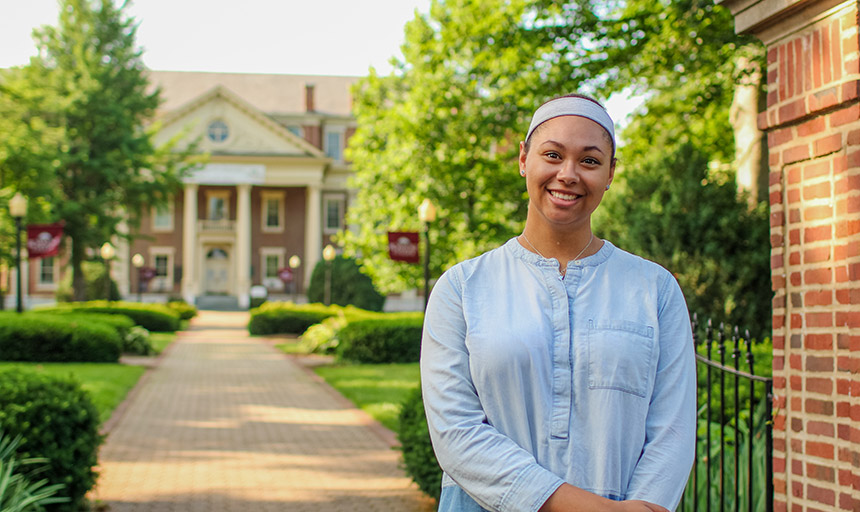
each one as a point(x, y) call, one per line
point(226, 423)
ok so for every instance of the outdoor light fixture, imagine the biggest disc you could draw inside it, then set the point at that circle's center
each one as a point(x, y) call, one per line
point(328, 256)
point(18, 210)
point(137, 261)
point(426, 214)
point(295, 262)
point(107, 252)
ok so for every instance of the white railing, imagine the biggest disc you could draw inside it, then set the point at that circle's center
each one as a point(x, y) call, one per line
point(216, 225)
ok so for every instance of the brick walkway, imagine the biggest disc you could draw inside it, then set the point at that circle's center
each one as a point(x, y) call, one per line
point(226, 423)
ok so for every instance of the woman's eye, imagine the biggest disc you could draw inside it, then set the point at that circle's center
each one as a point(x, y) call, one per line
point(591, 161)
point(552, 154)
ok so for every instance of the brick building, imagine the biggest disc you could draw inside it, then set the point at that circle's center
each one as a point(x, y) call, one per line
point(813, 125)
point(274, 186)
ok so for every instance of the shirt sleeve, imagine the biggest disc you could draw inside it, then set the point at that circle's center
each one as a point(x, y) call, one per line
point(661, 474)
point(489, 466)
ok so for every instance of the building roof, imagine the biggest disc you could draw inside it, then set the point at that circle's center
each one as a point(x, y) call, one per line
point(270, 93)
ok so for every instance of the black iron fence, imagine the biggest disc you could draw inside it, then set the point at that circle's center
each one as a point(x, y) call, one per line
point(733, 466)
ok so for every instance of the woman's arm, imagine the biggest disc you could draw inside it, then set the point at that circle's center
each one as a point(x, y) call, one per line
point(568, 498)
point(670, 426)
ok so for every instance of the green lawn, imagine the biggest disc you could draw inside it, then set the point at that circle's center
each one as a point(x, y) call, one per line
point(107, 383)
point(378, 389)
point(160, 340)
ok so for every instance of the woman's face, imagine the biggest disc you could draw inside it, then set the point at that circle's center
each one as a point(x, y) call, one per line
point(567, 168)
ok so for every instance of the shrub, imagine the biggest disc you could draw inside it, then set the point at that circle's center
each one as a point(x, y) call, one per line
point(418, 456)
point(135, 339)
point(287, 317)
point(382, 340)
point(18, 489)
point(348, 285)
point(95, 285)
point(57, 421)
point(153, 317)
point(185, 310)
point(59, 338)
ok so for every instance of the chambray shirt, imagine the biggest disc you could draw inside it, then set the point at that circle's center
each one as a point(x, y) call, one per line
point(531, 380)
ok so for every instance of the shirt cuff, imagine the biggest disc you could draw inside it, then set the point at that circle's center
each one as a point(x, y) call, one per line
point(530, 490)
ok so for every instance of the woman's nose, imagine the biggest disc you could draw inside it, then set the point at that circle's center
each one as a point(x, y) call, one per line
point(568, 173)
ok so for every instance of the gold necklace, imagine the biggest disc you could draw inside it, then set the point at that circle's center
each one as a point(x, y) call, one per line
point(560, 271)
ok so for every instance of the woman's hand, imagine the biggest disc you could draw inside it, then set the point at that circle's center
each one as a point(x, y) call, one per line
point(568, 498)
point(640, 506)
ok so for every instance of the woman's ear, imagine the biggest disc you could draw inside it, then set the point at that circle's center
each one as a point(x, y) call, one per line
point(522, 158)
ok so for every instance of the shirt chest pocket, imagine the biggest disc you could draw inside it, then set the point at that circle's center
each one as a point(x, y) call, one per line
point(620, 356)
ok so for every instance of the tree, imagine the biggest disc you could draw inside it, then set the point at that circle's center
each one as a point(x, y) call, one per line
point(445, 126)
point(678, 211)
point(92, 95)
point(349, 287)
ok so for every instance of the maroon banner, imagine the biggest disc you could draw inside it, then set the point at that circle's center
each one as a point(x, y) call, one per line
point(403, 247)
point(43, 240)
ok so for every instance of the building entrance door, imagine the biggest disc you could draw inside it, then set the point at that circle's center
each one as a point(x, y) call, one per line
point(217, 274)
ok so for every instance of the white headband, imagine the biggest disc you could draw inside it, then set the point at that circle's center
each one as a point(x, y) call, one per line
point(573, 106)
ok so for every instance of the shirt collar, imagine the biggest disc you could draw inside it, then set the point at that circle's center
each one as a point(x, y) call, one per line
point(528, 256)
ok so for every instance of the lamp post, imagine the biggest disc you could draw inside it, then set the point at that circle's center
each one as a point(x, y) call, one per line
point(295, 262)
point(426, 214)
point(107, 252)
point(137, 261)
point(18, 210)
point(328, 256)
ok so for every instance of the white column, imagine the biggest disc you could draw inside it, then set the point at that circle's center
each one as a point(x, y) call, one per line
point(189, 244)
point(313, 231)
point(243, 245)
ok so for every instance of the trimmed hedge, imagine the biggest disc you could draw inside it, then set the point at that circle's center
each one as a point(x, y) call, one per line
point(58, 338)
point(418, 456)
point(185, 310)
point(153, 317)
point(135, 339)
point(287, 317)
point(57, 421)
point(349, 285)
point(382, 340)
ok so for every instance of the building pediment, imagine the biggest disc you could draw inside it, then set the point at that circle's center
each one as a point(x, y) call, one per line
point(224, 124)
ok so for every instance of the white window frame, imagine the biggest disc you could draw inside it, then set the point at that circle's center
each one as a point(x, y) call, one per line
point(223, 194)
point(265, 197)
point(162, 283)
point(167, 210)
point(340, 198)
point(55, 269)
point(273, 282)
point(340, 131)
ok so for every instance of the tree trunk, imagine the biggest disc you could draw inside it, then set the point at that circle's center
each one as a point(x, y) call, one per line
point(79, 283)
point(743, 117)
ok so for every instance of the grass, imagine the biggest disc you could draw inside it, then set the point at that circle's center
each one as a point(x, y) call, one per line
point(107, 383)
point(378, 389)
point(160, 340)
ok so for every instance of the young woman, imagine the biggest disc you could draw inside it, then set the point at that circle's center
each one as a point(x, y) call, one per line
point(558, 371)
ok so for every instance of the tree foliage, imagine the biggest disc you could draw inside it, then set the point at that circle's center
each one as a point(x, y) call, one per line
point(445, 124)
point(678, 211)
point(84, 147)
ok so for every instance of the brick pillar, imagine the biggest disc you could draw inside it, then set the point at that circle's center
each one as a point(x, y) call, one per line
point(813, 126)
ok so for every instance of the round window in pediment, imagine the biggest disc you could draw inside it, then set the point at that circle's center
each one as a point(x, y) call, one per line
point(218, 131)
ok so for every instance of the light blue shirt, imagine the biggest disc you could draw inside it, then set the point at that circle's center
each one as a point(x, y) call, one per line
point(531, 380)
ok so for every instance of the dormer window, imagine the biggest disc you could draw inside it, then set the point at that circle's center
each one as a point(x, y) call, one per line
point(218, 131)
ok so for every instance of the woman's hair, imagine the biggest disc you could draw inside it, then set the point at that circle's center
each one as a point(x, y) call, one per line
point(606, 134)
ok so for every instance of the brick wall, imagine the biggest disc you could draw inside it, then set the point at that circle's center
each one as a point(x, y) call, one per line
point(813, 126)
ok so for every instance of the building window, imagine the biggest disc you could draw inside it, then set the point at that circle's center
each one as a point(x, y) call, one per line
point(335, 206)
point(273, 211)
point(217, 207)
point(162, 261)
point(272, 261)
point(162, 218)
point(334, 145)
point(47, 272)
point(217, 131)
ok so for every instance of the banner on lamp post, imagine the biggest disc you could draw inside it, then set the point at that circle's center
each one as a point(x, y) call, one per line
point(403, 246)
point(43, 240)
